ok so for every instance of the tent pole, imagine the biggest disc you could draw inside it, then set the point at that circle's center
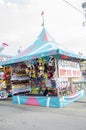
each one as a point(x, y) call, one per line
point(56, 68)
point(56, 75)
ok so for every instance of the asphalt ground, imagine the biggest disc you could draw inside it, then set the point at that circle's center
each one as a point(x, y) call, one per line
point(79, 105)
point(23, 117)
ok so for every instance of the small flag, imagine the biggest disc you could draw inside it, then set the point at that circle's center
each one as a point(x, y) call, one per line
point(4, 44)
point(42, 13)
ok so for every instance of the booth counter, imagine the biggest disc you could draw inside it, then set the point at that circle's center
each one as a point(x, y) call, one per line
point(49, 101)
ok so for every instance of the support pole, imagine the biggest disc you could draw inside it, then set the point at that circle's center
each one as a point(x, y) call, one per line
point(56, 75)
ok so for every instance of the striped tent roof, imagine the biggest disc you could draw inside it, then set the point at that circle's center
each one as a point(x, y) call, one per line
point(44, 45)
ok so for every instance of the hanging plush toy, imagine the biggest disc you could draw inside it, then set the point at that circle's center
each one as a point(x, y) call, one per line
point(5, 76)
point(31, 70)
point(51, 67)
point(51, 61)
point(26, 70)
point(41, 67)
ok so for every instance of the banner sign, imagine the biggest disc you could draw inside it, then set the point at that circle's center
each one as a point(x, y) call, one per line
point(69, 69)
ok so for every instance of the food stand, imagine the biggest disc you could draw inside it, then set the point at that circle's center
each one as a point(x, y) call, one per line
point(44, 67)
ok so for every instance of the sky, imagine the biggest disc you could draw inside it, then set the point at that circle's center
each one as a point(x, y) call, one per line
point(20, 23)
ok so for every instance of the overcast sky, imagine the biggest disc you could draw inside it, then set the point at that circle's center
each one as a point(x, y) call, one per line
point(20, 23)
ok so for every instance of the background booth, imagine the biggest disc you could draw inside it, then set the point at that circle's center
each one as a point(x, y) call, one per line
point(3, 80)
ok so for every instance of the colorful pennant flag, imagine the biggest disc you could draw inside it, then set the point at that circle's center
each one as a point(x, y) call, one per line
point(4, 44)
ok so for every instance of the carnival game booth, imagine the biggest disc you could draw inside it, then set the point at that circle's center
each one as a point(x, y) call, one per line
point(46, 74)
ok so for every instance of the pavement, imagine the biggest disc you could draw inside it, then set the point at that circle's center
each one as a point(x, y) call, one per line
point(77, 105)
point(20, 117)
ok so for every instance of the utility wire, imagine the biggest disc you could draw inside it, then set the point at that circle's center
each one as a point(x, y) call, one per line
point(83, 12)
point(73, 6)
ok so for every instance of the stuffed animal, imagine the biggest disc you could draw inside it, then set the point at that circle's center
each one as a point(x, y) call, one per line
point(51, 67)
point(41, 67)
point(51, 61)
point(31, 70)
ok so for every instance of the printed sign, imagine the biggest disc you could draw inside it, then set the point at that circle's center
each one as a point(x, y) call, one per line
point(69, 69)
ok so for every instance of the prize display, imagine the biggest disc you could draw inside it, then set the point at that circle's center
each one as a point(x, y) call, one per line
point(33, 76)
point(3, 92)
point(19, 79)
